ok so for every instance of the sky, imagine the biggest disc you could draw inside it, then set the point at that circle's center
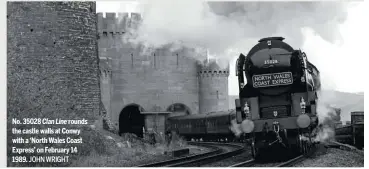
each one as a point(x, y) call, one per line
point(332, 34)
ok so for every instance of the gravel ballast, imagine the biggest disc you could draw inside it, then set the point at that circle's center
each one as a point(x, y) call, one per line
point(334, 157)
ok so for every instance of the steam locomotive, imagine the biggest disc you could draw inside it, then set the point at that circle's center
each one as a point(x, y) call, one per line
point(277, 96)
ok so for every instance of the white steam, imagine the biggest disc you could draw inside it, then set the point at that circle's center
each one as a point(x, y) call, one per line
point(328, 115)
point(325, 133)
point(229, 28)
point(235, 128)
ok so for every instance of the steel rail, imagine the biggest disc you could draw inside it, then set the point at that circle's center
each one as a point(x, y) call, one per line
point(244, 164)
point(291, 162)
point(198, 159)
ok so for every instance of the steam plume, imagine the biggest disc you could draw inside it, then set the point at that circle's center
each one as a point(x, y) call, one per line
point(228, 28)
point(327, 115)
point(235, 128)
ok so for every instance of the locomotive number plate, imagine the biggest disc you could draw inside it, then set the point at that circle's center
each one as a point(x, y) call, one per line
point(273, 79)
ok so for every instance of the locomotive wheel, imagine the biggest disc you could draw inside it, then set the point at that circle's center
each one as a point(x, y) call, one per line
point(310, 147)
point(307, 146)
point(295, 145)
point(254, 151)
point(300, 144)
point(305, 149)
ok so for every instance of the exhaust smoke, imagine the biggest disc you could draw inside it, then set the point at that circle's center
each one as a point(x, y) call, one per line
point(230, 28)
point(328, 115)
point(235, 128)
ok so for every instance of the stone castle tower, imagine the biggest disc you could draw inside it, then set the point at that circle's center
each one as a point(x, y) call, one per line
point(213, 87)
point(52, 65)
point(158, 84)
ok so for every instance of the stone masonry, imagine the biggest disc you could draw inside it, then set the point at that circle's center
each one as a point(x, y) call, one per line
point(52, 59)
point(52, 66)
point(157, 80)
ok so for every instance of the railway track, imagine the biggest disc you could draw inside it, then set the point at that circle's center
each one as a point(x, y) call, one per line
point(291, 162)
point(220, 151)
point(288, 163)
point(244, 164)
point(253, 163)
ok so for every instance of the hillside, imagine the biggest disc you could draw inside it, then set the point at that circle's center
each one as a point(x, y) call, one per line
point(348, 102)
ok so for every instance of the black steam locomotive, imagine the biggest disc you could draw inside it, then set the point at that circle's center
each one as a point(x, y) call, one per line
point(277, 96)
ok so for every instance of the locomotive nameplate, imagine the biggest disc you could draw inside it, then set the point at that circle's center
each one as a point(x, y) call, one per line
point(273, 79)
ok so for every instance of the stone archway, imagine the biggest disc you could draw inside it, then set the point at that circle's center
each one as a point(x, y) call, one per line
point(178, 109)
point(131, 120)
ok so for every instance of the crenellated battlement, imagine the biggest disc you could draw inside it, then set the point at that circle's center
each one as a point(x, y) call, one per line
point(212, 73)
point(117, 23)
point(208, 73)
point(211, 68)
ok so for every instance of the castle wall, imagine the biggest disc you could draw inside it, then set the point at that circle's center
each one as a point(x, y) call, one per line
point(153, 80)
point(52, 64)
point(105, 83)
